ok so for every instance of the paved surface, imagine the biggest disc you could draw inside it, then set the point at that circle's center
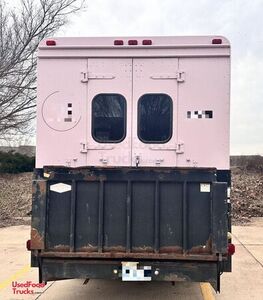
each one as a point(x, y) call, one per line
point(246, 281)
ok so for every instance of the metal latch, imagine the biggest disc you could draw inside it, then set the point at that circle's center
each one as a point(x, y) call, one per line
point(86, 76)
point(179, 76)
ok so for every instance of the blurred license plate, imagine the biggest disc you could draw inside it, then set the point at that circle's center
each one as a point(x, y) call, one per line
point(131, 271)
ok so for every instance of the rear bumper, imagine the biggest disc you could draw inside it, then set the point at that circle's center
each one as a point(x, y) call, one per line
point(56, 269)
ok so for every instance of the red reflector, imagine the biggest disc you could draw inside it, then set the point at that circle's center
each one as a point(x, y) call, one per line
point(231, 249)
point(28, 245)
point(216, 41)
point(132, 42)
point(51, 43)
point(118, 42)
point(147, 42)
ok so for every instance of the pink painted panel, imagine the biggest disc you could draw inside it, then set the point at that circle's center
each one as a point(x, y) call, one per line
point(65, 96)
point(117, 79)
point(206, 87)
point(60, 112)
point(151, 75)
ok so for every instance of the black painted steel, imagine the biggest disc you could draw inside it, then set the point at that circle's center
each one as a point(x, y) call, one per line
point(73, 216)
point(138, 210)
point(224, 176)
point(54, 269)
point(219, 213)
point(130, 213)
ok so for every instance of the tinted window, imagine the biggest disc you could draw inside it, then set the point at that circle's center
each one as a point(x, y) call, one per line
point(108, 118)
point(155, 118)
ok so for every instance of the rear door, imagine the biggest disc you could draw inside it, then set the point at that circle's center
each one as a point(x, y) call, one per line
point(154, 128)
point(109, 84)
point(132, 112)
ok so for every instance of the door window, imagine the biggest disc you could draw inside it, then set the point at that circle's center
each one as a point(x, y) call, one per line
point(108, 118)
point(155, 118)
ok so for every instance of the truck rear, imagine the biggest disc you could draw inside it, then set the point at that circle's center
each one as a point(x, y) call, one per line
point(132, 163)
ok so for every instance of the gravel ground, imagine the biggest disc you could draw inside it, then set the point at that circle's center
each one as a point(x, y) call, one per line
point(15, 198)
point(246, 197)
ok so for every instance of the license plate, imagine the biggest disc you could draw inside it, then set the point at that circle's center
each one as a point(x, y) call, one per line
point(131, 271)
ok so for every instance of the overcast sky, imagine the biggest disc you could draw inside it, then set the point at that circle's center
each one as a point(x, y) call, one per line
point(240, 21)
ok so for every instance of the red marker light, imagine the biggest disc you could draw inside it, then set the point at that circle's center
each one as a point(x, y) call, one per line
point(132, 42)
point(28, 245)
point(118, 42)
point(231, 249)
point(51, 43)
point(217, 41)
point(147, 42)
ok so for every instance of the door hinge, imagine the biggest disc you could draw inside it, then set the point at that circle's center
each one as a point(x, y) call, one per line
point(180, 148)
point(83, 147)
point(179, 76)
point(86, 76)
point(163, 147)
point(137, 160)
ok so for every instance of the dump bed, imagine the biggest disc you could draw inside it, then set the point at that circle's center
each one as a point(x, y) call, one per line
point(130, 213)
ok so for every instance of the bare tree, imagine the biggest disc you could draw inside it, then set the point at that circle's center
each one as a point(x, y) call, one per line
point(21, 30)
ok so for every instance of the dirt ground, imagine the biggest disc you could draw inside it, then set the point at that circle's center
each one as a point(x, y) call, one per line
point(246, 196)
point(15, 198)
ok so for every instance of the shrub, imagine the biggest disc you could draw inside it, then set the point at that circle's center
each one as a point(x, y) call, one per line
point(11, 162)
point(247, 162)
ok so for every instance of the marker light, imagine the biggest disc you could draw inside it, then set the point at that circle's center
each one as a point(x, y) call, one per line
point(231, 249)
point(216, 41)
point(118, 42)
point(132, 42)
point(147, 42)
point(28, 245)
point(51, 43)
